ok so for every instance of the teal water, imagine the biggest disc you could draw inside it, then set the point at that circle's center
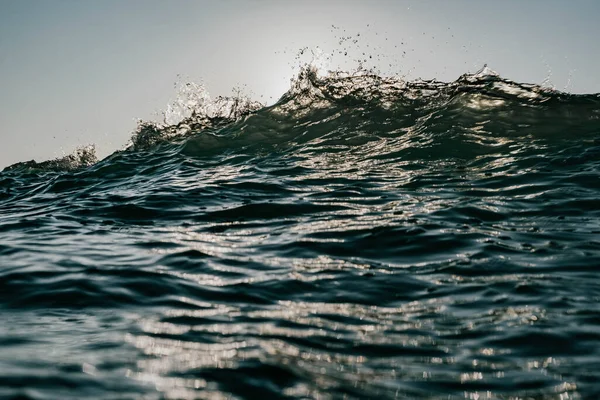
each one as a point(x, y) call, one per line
point(364, 237)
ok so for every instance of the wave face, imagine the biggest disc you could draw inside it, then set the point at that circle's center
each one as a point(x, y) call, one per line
point(363, 237)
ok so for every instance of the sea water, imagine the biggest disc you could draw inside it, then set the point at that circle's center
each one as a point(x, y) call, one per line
point(363, 237)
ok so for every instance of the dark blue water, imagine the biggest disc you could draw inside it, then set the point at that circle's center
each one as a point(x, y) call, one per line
point(362, 238)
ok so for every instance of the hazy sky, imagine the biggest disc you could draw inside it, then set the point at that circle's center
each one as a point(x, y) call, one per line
point(77, 72)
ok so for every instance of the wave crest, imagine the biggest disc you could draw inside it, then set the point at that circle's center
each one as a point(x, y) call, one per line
point(483, 103)
point(80, 158)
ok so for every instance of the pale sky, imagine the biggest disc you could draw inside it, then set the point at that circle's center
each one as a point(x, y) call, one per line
point(79, 72)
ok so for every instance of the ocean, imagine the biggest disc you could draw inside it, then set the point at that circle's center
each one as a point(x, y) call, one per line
point(363, 237)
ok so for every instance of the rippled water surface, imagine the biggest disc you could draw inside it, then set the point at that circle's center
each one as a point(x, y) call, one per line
point(362, 238)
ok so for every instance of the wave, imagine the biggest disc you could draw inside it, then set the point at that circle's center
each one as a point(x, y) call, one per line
point(82, 157)
point(362, 237)
point(341, 108)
